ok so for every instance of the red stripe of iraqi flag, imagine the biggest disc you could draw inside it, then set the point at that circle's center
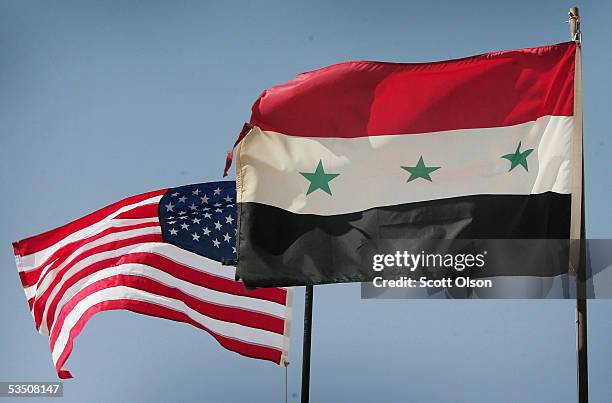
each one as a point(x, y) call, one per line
point(358, 99)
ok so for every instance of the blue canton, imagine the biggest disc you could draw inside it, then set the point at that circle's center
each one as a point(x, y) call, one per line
point(201, 218)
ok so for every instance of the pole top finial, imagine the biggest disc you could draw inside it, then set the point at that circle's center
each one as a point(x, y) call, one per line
point(574, 23)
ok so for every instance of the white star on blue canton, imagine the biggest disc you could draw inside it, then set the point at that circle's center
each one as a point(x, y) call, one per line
point(185, 226)
point(195, 192)
point(216, 243)
point(229, 219)
point(217, 191)
point(204, 199)
point(182, 199)
point(227, 237)
point(206, 231)
point(173, 232)
point(169, 206)
point(196, 237)
point(218, 225)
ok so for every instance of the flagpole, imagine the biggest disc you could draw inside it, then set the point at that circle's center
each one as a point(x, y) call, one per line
point(578, 228)
point(307, 343)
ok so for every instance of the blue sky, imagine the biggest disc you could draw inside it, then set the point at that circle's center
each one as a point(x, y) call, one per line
point(101, 100)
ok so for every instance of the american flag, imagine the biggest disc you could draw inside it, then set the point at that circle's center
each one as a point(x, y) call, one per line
point(158, 254)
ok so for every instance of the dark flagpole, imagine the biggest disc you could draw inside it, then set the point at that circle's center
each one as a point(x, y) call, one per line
point(307, 341)
point(579, 259)
point(582, 369)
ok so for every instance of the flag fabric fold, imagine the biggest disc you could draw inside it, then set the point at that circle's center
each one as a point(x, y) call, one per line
point(158, 254)
point(343, 157)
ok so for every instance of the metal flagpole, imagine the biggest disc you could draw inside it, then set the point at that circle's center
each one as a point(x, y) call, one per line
point(577, 231)
point(306, 346)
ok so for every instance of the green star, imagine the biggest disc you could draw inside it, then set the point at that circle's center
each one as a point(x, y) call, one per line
point(420, 171)
point(518, 158)
point(319, 179)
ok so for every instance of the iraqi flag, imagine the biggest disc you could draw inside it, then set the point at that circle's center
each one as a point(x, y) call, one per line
point(342, 158)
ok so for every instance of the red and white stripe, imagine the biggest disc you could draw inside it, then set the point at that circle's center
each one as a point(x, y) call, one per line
point(371, 118)
point(115, 258)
